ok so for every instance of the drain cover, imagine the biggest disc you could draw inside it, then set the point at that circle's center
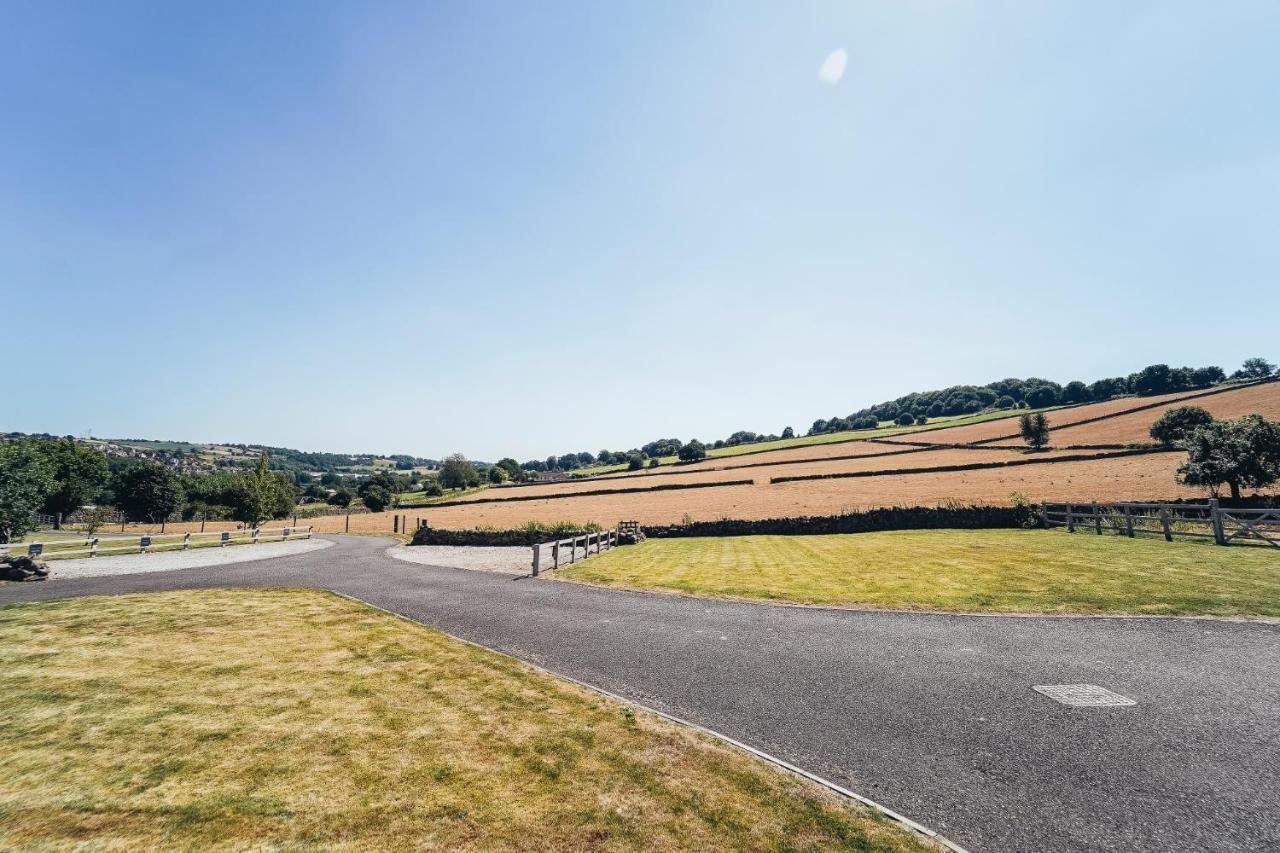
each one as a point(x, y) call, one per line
point(1083, 695)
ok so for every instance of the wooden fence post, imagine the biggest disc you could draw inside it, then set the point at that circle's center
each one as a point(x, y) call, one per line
point(1128, 521)
point(254, 540)
point(347, 529)
point(1097, 517)
point(1215, 513)
point(537, 552)
point(93, 547)
point(555, 554)
point(1071, 523)
point(186, 541)
point(1164, 523)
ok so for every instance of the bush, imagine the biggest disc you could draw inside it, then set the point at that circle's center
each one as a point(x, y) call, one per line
point(654, 463)
point(433, 490)
point(905, 419)
point(921, 420)
point(1005, 402)
point(634, 462)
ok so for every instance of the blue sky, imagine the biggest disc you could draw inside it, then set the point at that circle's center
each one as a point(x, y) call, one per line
point(515, 228)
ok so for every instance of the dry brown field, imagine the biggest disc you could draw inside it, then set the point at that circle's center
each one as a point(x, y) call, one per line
point(1258, 399)
point(995, 429)
point(1125, 478)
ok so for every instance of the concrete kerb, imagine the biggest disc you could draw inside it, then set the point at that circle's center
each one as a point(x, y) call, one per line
point(914, 826)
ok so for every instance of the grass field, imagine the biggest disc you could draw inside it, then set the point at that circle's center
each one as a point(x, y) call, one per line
point(1017, 571)
point(270, 719)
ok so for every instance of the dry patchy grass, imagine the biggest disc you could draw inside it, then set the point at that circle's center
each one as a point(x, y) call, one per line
point(283, 718)
point(1023, 571)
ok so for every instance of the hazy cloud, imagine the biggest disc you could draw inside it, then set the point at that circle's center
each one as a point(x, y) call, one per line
point(833, 66)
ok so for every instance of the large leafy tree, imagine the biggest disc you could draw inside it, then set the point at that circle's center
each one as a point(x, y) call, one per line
point(456, 472)
point(26, 480)
point(1243, 454)
point(693, 451)
point(379, 491)
point(79, 474)
point(145, 490)
point(1178, 423)
point(1257, 368)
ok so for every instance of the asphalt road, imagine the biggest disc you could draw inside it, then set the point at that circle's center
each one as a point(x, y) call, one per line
point(930, 715)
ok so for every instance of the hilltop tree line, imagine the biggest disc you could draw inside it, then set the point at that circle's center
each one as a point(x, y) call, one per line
point(1036, 393)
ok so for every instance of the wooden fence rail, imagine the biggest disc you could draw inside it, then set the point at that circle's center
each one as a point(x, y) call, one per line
point(603, 540)
point(1195, 521)
point(92, 546)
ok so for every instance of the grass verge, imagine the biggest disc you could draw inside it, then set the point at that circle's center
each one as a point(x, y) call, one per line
point(286, 718)
point(1018, 571)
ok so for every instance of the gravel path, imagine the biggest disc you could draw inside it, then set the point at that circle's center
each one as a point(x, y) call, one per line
point(167, 561)
point(508, 560)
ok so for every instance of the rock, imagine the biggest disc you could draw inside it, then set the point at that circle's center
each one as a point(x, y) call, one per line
point(19, 567)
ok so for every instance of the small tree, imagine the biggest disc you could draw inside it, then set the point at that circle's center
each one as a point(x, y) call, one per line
point(261, 494)
point(788, 432)
point(26, 479)
point(693, 451)
point(634, 461)
point(1243, 454)
point(1178, 423)
point(96, 517)
point(905, 419)
point(341, 497)
point(377, 498)
point(921, 420)
point(653, 462)
point(1035, 430)
point(498, 475)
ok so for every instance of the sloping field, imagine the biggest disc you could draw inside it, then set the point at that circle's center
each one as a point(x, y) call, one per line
point(887, 458)
point(1149, 476)
point(997, 429)
point(1260, 399)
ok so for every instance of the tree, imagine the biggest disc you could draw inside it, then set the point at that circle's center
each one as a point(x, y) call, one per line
point(1005, 402)
point(1257, 368)
point(261, 494)
point(498, 474)
point(921, 420)
point(634, 461)
point(26, 480)
point(693, 451)
point(94, 517)
point(1035, 430)
point(79, 474)
point(1075, 392)
point(511, 466)
point(1178, 423)
point(456, 472)
point(379, 491)
point(1042, 396)
point(905, 419)
point(145, 490)
point(1244, 453)
point(1153, 379)
point(341, 497)
point(653, 462)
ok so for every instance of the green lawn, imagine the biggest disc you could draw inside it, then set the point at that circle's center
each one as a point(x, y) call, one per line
point(887, 430)
point(289, 719)
point(1022, 571)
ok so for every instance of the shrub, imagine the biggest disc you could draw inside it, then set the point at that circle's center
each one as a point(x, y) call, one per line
point(433, 490)
point(654, 463)
point(634, 462)
point(1005, 402)
point(921, 420)
point(905, 419)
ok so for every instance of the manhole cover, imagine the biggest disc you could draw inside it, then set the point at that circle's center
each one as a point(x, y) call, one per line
point(1083, 695)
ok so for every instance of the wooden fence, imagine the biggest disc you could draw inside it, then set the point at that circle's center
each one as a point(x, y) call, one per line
point(94, 546)
point(1196, 521)
point(604, 540)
